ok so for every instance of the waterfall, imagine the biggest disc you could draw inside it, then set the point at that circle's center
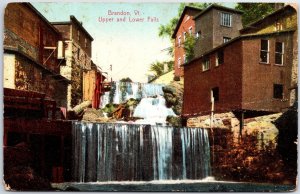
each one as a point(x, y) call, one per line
point(122, 91)
point(157, 111)
point(135, 152)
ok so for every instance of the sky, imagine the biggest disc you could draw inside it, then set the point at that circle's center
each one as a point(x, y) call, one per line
point(129, 47)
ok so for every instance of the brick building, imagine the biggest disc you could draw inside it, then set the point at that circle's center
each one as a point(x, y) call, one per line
point(254, 73)
point(214, 26)
point(30, 53)
point(185, 26)
point(78, 53)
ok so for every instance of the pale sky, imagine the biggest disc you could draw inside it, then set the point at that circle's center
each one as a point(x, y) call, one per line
point(129, 47)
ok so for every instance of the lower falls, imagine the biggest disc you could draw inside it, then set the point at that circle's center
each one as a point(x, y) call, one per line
point(133, 152)
point(146, 150)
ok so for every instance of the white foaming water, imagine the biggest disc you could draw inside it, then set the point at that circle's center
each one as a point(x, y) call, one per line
point(153, 110)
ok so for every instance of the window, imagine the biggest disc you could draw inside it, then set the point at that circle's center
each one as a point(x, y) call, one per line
point(278, 91)
point(85, 43)
point(226, 19)
point(78, 35)
point(21, 19)
point(184, 36)
point(179, 41)
point(215, 94)
point(78, 53)
point(264, 51)
point(198, 34)
point(191, 30)
point(278, 25)
point(220, 58)
point(179, 62)
point(205, 64)
point(226, 39)
point(279, 50)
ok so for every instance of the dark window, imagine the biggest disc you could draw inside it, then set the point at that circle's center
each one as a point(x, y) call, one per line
point(226, 39)
point(264, 51)
point(215, 93)
point(220, 58)
point(78, 53)
point(279, 53)
point(278, 91)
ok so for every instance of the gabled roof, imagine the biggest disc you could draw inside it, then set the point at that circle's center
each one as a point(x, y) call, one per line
point(271, 15)
point(73, 18)
point(186, 8)
point(219, 7)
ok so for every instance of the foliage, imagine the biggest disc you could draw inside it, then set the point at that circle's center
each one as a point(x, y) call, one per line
point(127, 79)
point(245, 161)
point(188, 46)
point(254, 11)
point(158, 67)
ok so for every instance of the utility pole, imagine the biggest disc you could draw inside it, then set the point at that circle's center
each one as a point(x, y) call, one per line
point(110, 72)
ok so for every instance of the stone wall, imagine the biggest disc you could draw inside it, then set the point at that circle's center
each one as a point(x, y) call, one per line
point(262, 127)
point(77, 61)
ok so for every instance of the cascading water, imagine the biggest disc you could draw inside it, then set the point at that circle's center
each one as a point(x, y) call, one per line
point(133, 152)
point(122, 91)
point(142, 151)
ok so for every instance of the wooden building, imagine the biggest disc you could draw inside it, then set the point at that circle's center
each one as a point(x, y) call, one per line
point(254, 73)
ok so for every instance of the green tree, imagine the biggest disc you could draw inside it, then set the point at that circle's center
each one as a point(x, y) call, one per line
point(159, 67)
point(127, 79)
point(188, 47)
point(255, 11)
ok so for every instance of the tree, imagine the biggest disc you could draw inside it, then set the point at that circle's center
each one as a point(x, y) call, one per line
point(127, 79)
point(159, 67)
point(188, 47)
point(168, 29)
point(255, 11)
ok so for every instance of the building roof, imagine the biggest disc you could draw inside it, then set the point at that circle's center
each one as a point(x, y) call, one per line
point(73, 19)
point(30, 6)
point(271, 15)
point(186, 8)
point(219, 7)
point(235, 39)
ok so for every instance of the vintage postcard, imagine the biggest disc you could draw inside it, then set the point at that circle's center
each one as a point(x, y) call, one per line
point(185, 97)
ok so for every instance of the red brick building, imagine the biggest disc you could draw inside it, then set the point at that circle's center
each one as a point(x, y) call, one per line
point(185, 26)
point(30, 53)
point(252, 73)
